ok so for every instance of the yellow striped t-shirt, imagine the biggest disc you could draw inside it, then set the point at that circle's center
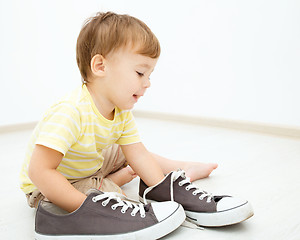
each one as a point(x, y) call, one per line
point(75, 127)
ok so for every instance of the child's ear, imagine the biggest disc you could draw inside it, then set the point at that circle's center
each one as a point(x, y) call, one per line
point(97, 65)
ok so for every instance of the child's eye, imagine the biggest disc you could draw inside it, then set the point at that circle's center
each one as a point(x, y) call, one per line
point(140, 74)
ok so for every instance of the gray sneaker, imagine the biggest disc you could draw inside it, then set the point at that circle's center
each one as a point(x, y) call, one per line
point(108, 216)
point(201, 207)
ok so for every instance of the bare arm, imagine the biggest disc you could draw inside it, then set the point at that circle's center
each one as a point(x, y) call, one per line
point(143, 163)
point(52, 184)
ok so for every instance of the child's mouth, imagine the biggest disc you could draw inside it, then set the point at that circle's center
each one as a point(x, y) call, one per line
point(136, 97)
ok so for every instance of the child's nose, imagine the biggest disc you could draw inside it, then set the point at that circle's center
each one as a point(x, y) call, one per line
point(147, 83)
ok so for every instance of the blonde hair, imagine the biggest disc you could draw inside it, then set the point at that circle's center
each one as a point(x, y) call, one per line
point(107, 32)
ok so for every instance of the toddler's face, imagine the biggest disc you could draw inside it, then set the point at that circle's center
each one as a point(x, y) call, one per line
point(127, 75)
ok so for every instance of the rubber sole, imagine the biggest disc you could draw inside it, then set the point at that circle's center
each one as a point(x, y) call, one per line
point(218, 219)
point(222, 218)
point(156, 231)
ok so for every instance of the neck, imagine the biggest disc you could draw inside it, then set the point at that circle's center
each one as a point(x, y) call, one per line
point(104, 106)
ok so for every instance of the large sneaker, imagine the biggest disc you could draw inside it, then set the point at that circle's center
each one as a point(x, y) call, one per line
point(201, 207)
point(108, 216)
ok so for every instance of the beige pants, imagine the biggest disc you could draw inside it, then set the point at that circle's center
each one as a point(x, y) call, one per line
point(114, 160)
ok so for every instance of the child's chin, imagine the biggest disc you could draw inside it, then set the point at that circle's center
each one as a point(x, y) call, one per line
point(126, 107)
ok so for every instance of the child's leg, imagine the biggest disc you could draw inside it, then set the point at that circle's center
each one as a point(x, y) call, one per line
point(193, 170)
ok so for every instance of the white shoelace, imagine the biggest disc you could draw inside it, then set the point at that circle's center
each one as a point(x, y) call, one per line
point(136, 207)
point(186, 180)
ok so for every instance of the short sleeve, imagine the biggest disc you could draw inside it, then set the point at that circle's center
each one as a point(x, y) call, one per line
point(130, 133)
point(60, 128)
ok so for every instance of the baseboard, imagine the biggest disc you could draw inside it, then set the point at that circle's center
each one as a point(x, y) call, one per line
point(17, 127)
point(279, 130)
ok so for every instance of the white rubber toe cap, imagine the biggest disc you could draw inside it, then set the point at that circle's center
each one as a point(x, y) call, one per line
point(163, 210)
point(227, 203)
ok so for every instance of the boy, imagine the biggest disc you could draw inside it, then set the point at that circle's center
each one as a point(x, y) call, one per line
point(87, 138)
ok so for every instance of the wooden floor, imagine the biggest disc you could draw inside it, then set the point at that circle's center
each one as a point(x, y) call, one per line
point(261, 168)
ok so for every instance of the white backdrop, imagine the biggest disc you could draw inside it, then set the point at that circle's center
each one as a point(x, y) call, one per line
point(236, 60)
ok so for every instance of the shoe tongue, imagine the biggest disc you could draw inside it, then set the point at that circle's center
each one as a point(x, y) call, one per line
point(218, 198)
point(93, 190)
point(147, 207)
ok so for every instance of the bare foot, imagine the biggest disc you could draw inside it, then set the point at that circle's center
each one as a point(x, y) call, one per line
point(195, 170)
point(122, 176)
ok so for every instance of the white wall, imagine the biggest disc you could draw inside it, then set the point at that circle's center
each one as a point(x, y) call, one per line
point(237, 60)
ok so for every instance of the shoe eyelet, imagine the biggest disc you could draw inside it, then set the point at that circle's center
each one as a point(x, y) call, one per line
point(94, 199)
point(187, 188)
point(143, 215)
point(103, 204)
point(113, 208)
point(180, 184)
point(123, 211)
point(201, 198)
point(132, 214)
point(194, 193)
